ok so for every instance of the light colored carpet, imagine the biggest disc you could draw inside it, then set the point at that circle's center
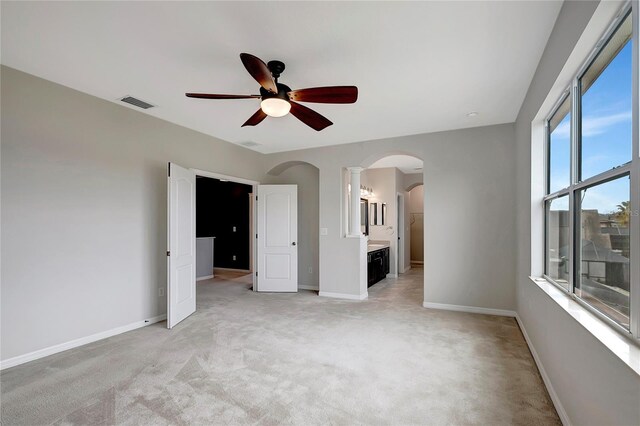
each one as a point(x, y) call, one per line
point(247, 358)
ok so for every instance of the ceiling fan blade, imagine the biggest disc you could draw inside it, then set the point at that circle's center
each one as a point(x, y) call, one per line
point(259, 71)
point(214, 96)
point(309, 117)
point(326, 95)
point(255, 118)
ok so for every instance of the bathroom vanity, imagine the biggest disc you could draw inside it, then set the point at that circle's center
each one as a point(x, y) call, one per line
point(377, 261)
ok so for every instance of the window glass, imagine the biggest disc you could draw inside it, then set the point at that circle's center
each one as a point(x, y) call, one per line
point(604, 248)
point(557, 241)
point(606, 100)
point(560, 147)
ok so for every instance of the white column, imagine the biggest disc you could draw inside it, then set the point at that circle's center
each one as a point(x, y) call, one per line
point(354, 229)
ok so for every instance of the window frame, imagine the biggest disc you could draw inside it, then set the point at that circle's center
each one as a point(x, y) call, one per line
point(631, 168)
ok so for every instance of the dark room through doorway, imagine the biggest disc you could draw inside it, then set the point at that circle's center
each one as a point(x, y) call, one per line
point(224, 224)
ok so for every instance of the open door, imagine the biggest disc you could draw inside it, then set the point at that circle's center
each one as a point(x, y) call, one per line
point(181, 247)
point(277, 237)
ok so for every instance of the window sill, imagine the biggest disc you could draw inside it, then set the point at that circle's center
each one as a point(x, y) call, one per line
point(624, 347)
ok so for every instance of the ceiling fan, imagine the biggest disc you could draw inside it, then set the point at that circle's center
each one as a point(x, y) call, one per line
point(278, 99)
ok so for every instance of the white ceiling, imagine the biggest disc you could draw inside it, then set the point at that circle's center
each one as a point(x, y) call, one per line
point(405, 163)
point(419, 66)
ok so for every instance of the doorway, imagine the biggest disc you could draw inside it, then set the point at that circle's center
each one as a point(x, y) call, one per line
point(274, 211)
point(225, 225)
point(182, 243)
point(223, 228)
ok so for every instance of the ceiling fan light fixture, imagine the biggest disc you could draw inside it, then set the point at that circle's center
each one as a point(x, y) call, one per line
point(275, 107)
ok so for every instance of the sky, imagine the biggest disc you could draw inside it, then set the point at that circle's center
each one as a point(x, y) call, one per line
point(606, 136)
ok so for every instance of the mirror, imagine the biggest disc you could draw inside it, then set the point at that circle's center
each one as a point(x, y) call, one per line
point(373, 209)
point(378, 214)
point(364, 216)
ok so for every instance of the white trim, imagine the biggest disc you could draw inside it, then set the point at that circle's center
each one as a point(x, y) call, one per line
point(470, 309)
point(214, 175)
point(41, 353)
point(206, 277)
point(343, 295)
point(634, 225)
point(400, 233)
point(562, 413)
point(308, 287)
point(392, 276)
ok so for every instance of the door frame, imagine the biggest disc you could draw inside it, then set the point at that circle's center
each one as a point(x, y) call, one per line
point(400, 252)
point(254, 184)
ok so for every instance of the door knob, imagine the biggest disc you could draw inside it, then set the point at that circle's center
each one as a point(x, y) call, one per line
point(293, 243)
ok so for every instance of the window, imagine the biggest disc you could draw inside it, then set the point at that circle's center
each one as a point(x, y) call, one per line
point(605, 106)
point(558, 240)
point(588, 206)
point(560, 147)
point(604, 249)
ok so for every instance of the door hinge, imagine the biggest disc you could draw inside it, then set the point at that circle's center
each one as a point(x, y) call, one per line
point(168, 253)
point(256, 273)
point(256, 236)
point(169, 169)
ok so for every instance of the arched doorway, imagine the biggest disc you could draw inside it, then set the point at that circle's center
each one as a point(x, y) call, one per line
point(385, 182)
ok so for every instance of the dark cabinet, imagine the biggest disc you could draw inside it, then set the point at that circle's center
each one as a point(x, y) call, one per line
point(377, 265)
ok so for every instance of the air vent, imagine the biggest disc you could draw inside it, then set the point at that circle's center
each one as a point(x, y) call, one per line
point(249, 144)
point(136, 102)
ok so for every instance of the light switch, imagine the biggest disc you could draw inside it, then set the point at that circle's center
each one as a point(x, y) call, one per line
point(234, 229)
point(324, 231)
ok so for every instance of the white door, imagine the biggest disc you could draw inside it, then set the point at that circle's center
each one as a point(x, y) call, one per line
point(277, 238)
point(181, 248)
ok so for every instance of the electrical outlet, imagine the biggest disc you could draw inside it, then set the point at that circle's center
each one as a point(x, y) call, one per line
point(234, 256)
point(324, 231)
point(234, 230)
point(310, 270)
point(160, 291)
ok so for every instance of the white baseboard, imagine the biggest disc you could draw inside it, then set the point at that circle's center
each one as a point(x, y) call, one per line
point(307, 287)
point(206, 277)
point(392, 276)
point(343, 296)
point(41, 353)
point(545, 377)
point(470, 309)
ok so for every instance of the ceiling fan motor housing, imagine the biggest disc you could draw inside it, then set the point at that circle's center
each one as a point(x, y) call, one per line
point(283, 91)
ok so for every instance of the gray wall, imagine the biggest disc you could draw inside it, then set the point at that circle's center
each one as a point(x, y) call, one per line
point(593, 386)
point(84, 200)
point(469, 184)
point(306, 177)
